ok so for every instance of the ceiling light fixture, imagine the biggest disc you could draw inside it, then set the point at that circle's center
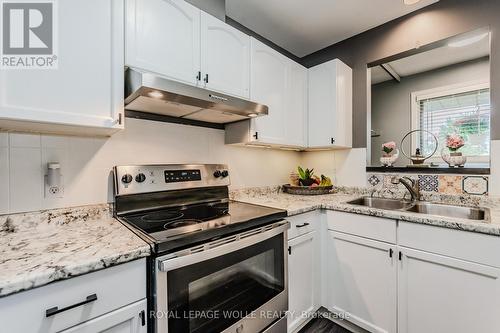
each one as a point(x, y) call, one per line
point(468, 40)
point(410, 2)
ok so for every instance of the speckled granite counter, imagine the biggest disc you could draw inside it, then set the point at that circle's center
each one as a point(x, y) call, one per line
point(296, 204)
point(42, 247)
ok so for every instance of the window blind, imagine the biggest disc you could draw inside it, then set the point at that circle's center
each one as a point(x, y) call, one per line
point(466, 114)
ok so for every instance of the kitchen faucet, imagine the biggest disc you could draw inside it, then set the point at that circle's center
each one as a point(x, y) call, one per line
point(411, 185)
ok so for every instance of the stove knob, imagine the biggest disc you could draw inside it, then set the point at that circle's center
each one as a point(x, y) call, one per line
point(217, 174)
point(140, 177)
point(126, 178)
point(224, 173)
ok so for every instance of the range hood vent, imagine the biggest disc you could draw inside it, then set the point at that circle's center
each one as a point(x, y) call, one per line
point(147, 92)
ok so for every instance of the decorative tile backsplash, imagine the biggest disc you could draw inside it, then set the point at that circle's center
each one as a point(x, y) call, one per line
point(442, 184)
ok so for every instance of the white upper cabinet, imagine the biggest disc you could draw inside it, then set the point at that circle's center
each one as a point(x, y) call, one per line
point(296, 112)
point(330, 105)
point(84, 94)
point(163, 36)
point(270, 73)
point(225, 57)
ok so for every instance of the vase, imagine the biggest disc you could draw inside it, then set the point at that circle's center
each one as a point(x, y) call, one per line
point(389, 160)
point(453, 158)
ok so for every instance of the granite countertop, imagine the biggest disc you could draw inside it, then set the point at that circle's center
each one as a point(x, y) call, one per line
point(42, 247)
point(297, 204)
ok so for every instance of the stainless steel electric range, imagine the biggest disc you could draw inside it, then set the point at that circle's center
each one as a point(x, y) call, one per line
point(218, 265)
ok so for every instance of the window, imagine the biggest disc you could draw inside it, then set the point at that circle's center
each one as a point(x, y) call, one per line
point(462, 110)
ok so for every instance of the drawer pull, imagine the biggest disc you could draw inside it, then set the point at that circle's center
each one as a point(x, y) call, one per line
point(55, 310)
point(302, 225)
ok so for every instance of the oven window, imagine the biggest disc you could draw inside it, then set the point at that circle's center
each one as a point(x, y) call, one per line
point(214, 294)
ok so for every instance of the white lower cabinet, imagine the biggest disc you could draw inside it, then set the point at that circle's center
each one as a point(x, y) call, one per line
point(303, 268)
point(108, 300)
point(362, 281)
point(442, 294)
point(129, 319)
point(428, 279)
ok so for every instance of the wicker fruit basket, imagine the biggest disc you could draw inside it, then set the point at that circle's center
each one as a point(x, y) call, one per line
point(306, 190)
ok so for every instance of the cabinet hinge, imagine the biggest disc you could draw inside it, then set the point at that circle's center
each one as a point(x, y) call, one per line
point(120, 119)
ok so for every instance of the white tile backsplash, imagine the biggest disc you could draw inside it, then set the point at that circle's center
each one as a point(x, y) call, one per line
point(4, 179)
point(25, 174)
point(23, 140)
point(86, 163)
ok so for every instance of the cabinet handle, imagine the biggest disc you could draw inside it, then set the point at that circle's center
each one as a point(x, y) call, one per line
point(55, 310)
point(198, 77)
point(390, 253)
point(206, 78)
point(332, 141)
point(142, 315)
point(256, 135)
point(305, 224)
point(400, 255)
point(289, 250)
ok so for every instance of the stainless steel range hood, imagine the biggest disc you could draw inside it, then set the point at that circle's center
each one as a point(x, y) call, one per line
point(147, 92)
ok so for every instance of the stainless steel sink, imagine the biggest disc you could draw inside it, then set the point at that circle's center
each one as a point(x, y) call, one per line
point(469, 213)
point(421, 207)
point(380, 203)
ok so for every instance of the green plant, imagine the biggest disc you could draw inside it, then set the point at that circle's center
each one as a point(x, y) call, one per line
point(305, 174)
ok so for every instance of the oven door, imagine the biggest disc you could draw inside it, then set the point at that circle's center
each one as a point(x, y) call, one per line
point(234, 284)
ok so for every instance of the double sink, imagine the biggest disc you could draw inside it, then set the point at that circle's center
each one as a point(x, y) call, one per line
point(422, 207)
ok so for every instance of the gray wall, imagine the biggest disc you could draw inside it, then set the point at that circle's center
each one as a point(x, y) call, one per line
point(426, 26)
point(391, 105)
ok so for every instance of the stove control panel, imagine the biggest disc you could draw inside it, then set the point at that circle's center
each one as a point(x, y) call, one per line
point(155, 178)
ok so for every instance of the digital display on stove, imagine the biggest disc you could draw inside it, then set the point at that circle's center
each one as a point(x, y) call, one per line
point(175, 176)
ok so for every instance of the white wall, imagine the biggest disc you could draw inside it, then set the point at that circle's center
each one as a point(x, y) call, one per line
point(87, 162)
point(345, 167)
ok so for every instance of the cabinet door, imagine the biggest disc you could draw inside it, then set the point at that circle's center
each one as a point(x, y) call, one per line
point(330, 105)
point(86, 89)
point(362, 281)
point(443, 294)
point(322, 101)
point(268, 85)
point(163, 36)
point(302, 278)
point(225, 57)
point(129, 319)
point(296, 111)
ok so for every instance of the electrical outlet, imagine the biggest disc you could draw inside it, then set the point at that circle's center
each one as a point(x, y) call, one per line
point(53, 192)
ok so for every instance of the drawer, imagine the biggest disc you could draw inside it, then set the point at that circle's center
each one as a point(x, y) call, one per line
point(465, 245)
point(377, 228)
point(302, 224)
point(114, 287)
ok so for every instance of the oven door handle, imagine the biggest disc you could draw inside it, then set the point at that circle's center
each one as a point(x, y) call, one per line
point(220, 247)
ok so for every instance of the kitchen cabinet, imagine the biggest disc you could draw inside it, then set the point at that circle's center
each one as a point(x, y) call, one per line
point(444, 294)
point(362, 281)
point(109, 300)
point(330, 105)
point(129, 319)
point(177, 40)
point(268, 85)
point(225, 57)
point(304, 279)
point(163, 36)
point(84, 94)
point(281, 84)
